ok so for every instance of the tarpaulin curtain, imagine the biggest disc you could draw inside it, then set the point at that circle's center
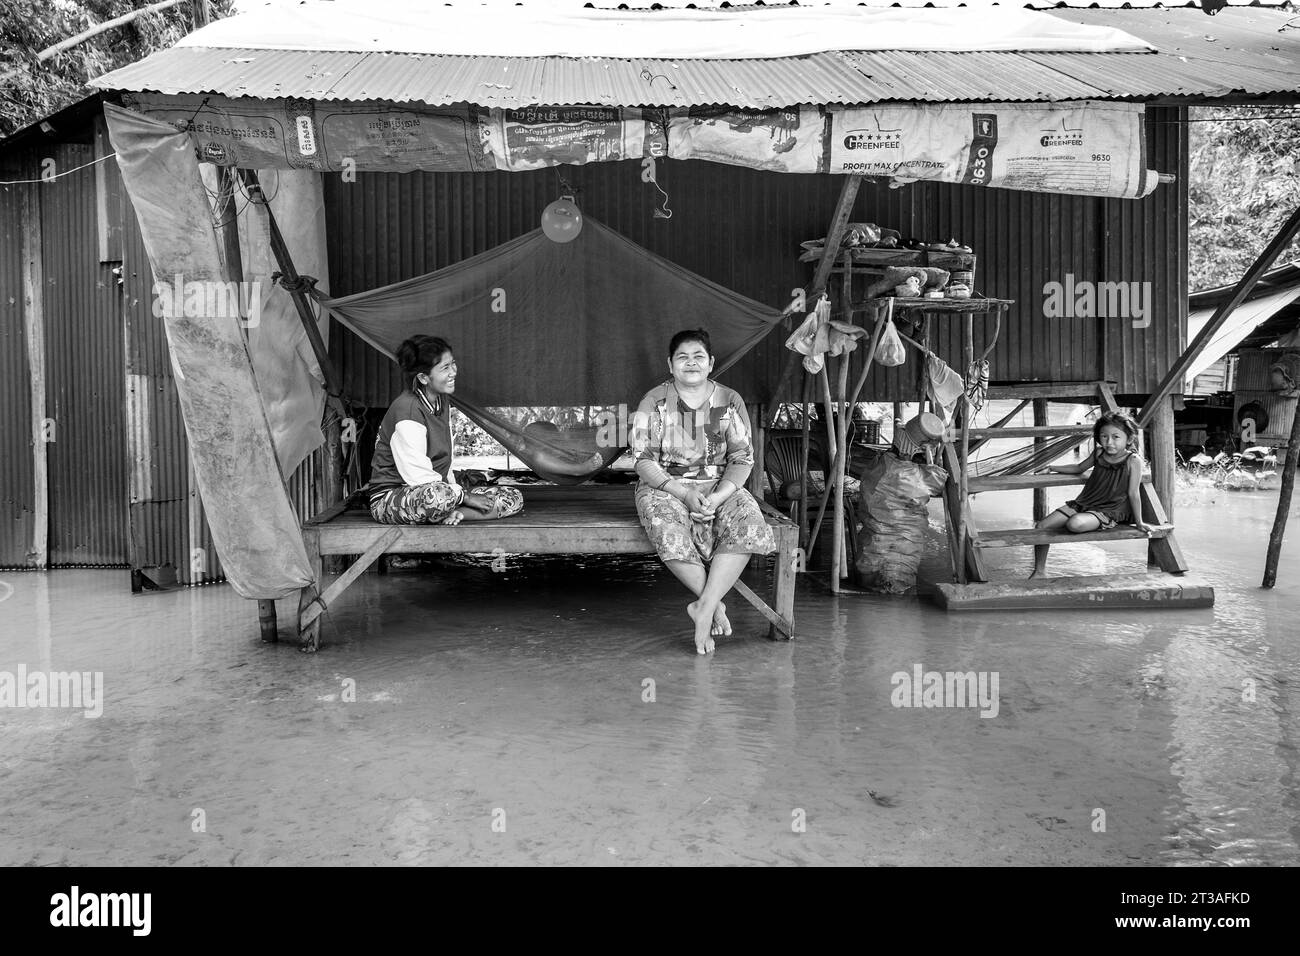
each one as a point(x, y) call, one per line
point(235, 464)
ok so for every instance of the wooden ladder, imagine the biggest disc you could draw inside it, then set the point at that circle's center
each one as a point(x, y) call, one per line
point(968, 541)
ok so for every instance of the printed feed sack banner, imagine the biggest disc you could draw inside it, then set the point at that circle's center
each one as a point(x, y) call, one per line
point(306, 134)
point(784, 141)
point(1087, 148)
point(540, 136)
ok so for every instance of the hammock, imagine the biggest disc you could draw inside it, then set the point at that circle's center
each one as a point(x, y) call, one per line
point(539, 323)
point(1023, 461)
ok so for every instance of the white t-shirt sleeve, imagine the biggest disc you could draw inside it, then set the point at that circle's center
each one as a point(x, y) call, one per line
point(409, 445)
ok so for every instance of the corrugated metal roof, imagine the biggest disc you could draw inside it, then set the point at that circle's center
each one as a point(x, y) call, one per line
point(1239, 51)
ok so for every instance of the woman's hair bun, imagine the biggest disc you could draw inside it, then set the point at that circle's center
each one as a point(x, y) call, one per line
point(420, 353)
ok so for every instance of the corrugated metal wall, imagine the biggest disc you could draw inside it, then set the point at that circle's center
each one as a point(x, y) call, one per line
point(742, 228)
point(84, 384)
point(17, 495)
point(1145, 240)
point(739, 227)
point(1253, 386)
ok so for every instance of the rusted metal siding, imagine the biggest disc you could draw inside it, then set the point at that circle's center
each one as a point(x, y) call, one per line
point(83, 374)
point(17, 492)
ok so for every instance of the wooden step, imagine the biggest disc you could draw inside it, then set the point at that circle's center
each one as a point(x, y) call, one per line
point(1032, 431)
point(1020, 537)
point(1014, 482)
point(1100, 592)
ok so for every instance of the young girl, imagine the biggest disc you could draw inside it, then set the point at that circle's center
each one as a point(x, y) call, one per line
point(1111, 494)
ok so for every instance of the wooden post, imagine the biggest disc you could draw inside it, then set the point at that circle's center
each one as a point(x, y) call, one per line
point(857, 390)
point(1040, 494)
point(784, 581)
point(803, 475)
point(34, 332)
point(758, 474)
point(266, 619)
point(1283, 503)
point(1162, 461)
point(839, 560)
point(963, 458)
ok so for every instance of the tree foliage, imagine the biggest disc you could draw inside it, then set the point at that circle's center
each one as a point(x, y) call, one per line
point(29, 26)
point(1244, 183)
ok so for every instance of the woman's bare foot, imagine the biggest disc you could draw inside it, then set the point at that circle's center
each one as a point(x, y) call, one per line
point(721, 623)
point(703, 624)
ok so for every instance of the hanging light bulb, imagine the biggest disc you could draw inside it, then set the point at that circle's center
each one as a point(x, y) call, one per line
point(562, 220)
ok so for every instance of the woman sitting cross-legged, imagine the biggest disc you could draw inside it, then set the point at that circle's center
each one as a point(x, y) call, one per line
point(411, 477)
point(691, 441)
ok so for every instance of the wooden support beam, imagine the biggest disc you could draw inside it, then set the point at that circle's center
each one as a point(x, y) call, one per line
point(1030, 390)
point(881, 321)
point(760, 605)
point(1161, 451)
point(367, 558)
point(1283, 504)
point(1173, 379)
point(267, 621)
point(1040, 494)
point(806, 438)
point(835, 235)
point(34, 333)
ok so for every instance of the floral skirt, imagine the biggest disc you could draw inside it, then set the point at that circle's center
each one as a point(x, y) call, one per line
point(737, 528)
point(432, 503)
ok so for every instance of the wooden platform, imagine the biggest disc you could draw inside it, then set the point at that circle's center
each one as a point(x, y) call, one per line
point(579, 519)
point(1108, 591)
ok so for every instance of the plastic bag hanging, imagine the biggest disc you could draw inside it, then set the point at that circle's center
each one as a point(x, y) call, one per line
point(889, 350)
point(804, 339)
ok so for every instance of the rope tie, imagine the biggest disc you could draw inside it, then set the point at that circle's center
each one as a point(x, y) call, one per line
point(303, 284)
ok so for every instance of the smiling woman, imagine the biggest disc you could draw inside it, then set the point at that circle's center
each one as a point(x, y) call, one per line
point(411, 475)
point(691, 443)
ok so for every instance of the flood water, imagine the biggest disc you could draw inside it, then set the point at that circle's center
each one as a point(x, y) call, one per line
point(508, 717)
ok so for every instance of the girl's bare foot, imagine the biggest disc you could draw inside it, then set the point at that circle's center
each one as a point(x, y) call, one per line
point(703, 624)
